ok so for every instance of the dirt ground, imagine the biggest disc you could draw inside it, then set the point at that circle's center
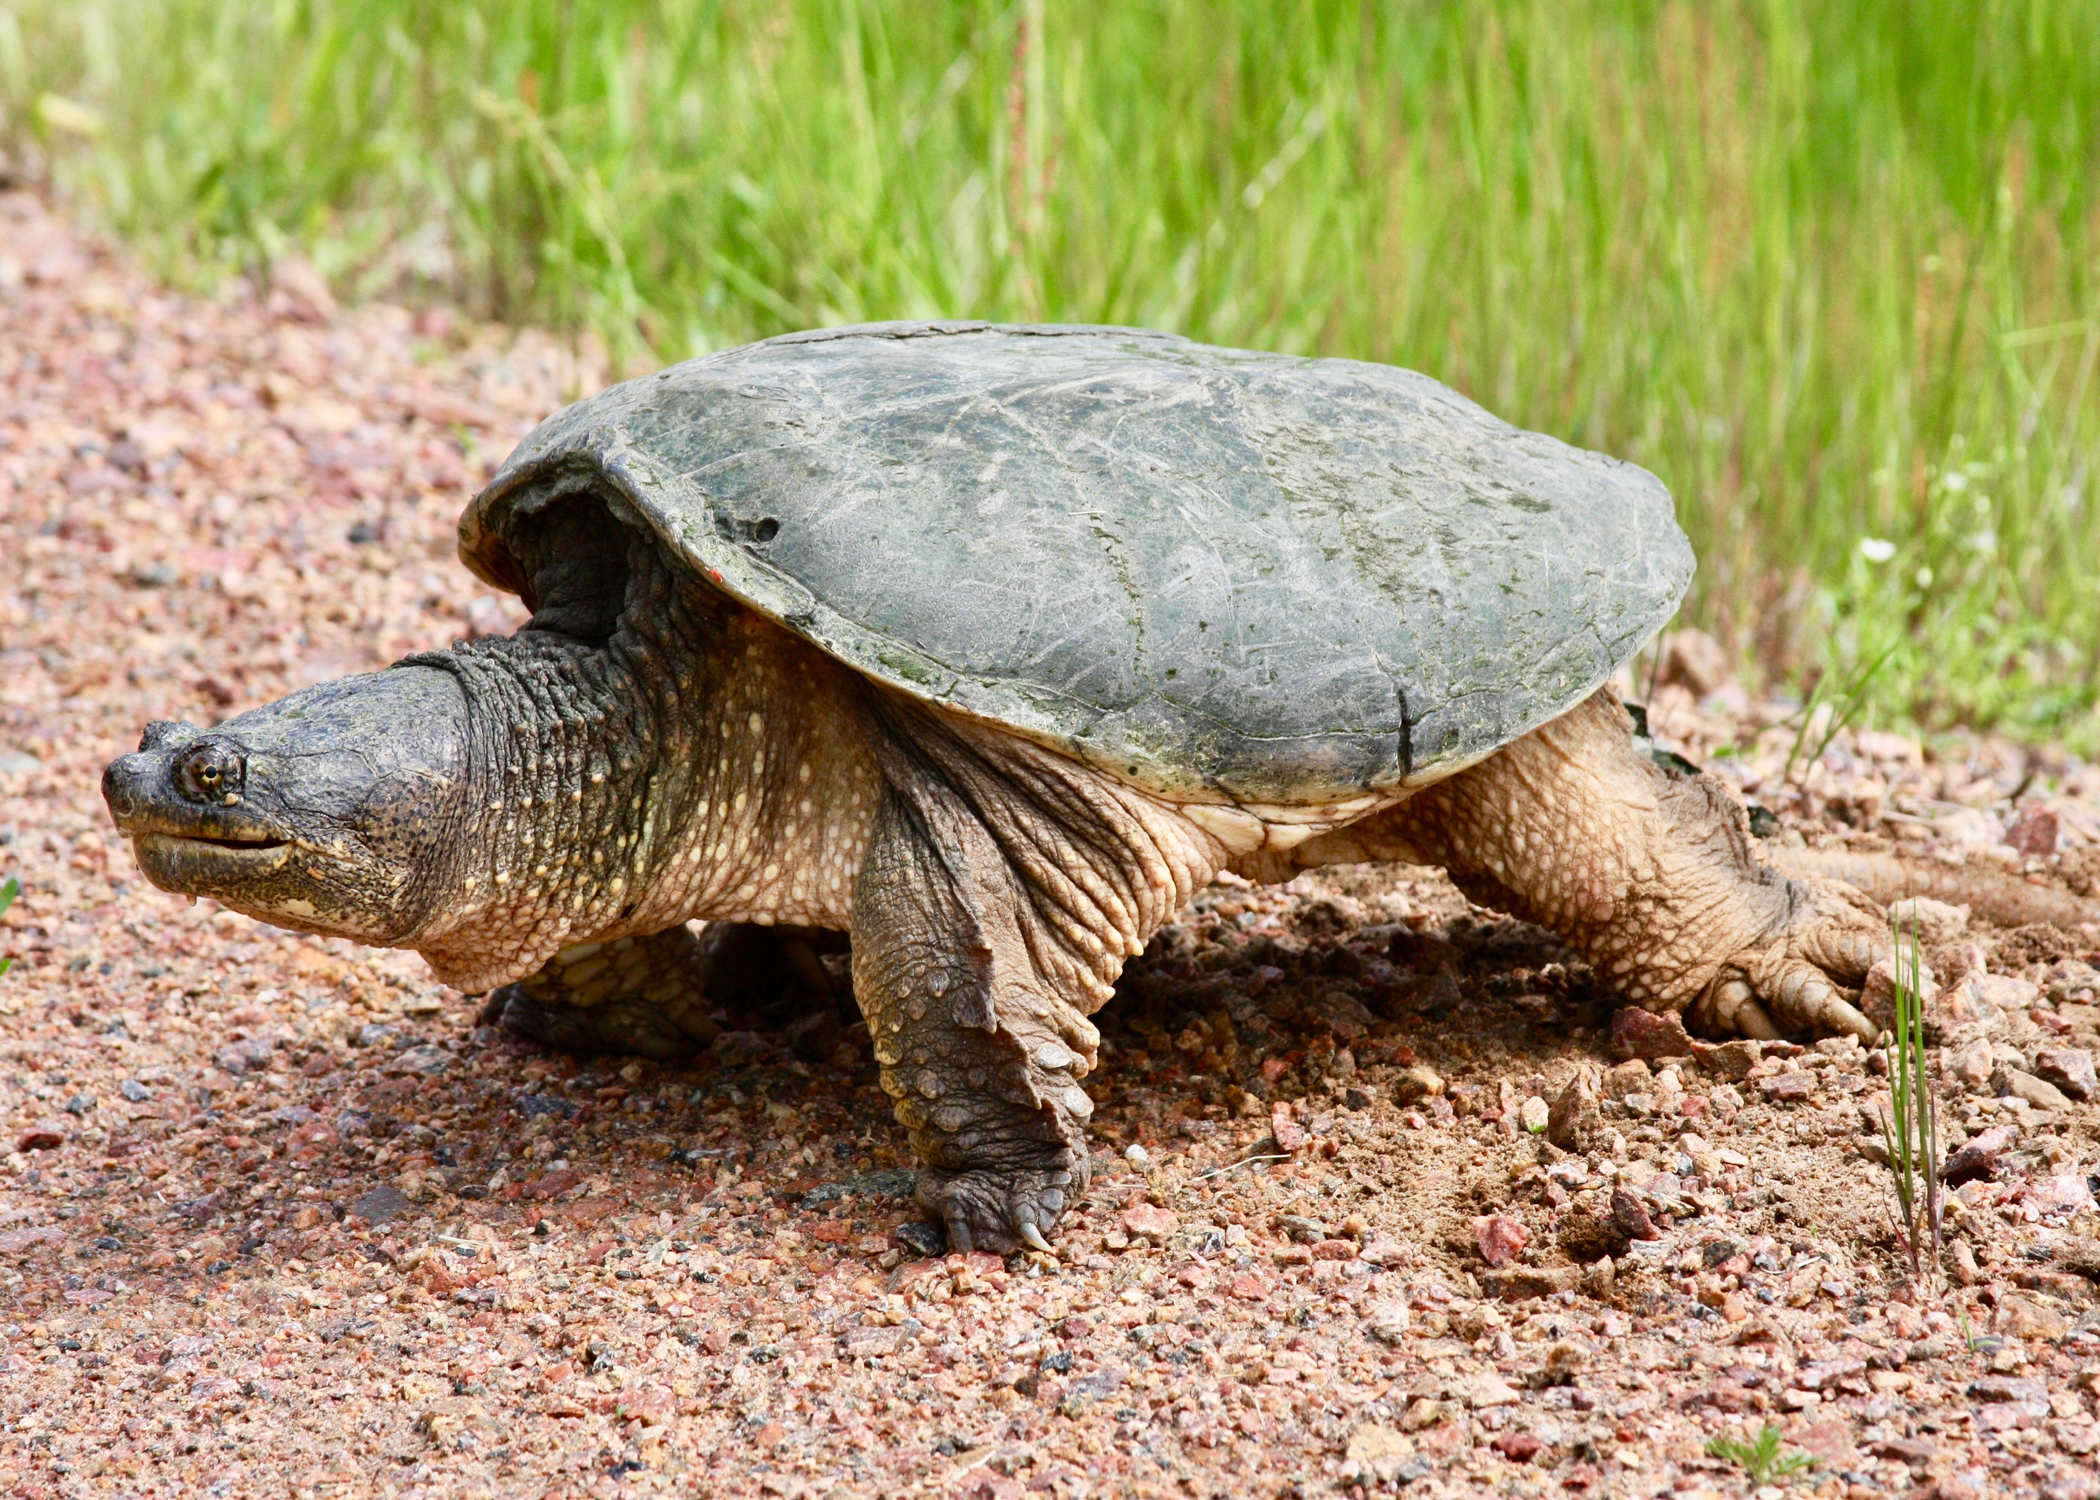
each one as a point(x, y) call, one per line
point(277, 1218)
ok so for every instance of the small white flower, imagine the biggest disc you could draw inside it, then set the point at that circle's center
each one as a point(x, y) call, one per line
point(1875, 550)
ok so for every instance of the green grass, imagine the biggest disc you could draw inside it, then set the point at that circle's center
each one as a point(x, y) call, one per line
point(1761, 1457)
point(1833, 271)
point(9, 889)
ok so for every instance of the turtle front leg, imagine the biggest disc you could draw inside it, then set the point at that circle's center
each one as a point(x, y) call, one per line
point(639, 995)
point(1002, 889)
point(1648, 873)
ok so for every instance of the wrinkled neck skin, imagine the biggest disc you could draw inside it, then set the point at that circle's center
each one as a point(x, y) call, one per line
point(701, 762)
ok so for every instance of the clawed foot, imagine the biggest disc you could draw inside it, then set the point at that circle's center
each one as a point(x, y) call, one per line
point(999, 1211)
point(1793, 981)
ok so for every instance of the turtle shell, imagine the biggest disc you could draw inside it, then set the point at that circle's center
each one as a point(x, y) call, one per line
point(1217, 574)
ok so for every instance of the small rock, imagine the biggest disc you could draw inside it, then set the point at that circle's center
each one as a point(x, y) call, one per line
point(1574, 1122)
point(1644, 1034)
point(2021, 1319)
point(2065, 1192)
point(1500, 1238)
point(1519, 1447)
point(1787, 1088)
point(1976, 1157)
point(1415, 1084)
point(1377, 1455)
point(1935, 922)
point(1878, 994)
point(18, 763)
point(1150, 1221)
point(382, 1204)
point(1631, 1215)
point(1514, 1283)
point(2070, 1069)
point(2004, 992)
point(1290, 1135)
point(250, 1056)
point(1533, 1114)
point(2011, 1082)
point(1389, 1321)
point(1972, 1066)
point(134, 1091)
point(2034, 831)
point(1480, 1391)
point(1730, 1060)
point(2007, 1388)
point(40, 1138)
point(919, 1239)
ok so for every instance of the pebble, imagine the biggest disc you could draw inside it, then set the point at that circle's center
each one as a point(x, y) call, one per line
point(1978, 1156)
point(1649, 1035)
point(1499, 1238)
point(2015, 1083)
point(1575, 1122)
point(1150, 1221)
point(2070, 1069)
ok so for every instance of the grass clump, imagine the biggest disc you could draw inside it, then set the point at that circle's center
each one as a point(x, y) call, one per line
point(1760, 1457)
point(1833, 272)
point(9, 889)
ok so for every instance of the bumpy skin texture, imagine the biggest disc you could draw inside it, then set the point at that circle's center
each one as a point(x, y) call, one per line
point(1647, 872)
point(1003, 889)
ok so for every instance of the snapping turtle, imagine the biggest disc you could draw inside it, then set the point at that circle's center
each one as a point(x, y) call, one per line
point(991, 646)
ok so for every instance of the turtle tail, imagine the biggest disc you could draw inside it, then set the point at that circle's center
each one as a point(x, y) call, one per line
point(2001, 899)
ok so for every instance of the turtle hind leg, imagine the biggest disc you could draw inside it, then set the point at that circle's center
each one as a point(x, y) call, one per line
point(643, 996)
point(1649, 874)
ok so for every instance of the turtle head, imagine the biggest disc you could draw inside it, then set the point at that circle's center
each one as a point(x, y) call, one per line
point(336, 810)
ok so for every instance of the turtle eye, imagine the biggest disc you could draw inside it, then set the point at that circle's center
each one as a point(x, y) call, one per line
point(209, 771)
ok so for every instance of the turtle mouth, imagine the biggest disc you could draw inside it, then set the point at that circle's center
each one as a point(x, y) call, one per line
point(234, 844)
point(192, 862)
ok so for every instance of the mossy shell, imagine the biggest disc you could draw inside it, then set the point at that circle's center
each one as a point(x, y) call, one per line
point(1216, 574)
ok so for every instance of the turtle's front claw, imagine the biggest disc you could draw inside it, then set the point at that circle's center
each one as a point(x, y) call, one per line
point(1791, 983)
point(996, 1210)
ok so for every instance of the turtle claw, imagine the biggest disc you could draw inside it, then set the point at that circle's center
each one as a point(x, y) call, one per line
point(999, 1211)
point(1808, 1002)
point(1791, 983)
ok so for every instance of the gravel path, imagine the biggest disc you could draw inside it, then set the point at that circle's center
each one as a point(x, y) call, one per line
point(277, 1218)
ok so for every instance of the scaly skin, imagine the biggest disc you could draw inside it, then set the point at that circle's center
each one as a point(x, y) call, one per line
point(1648, 873)
point(647, 752)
